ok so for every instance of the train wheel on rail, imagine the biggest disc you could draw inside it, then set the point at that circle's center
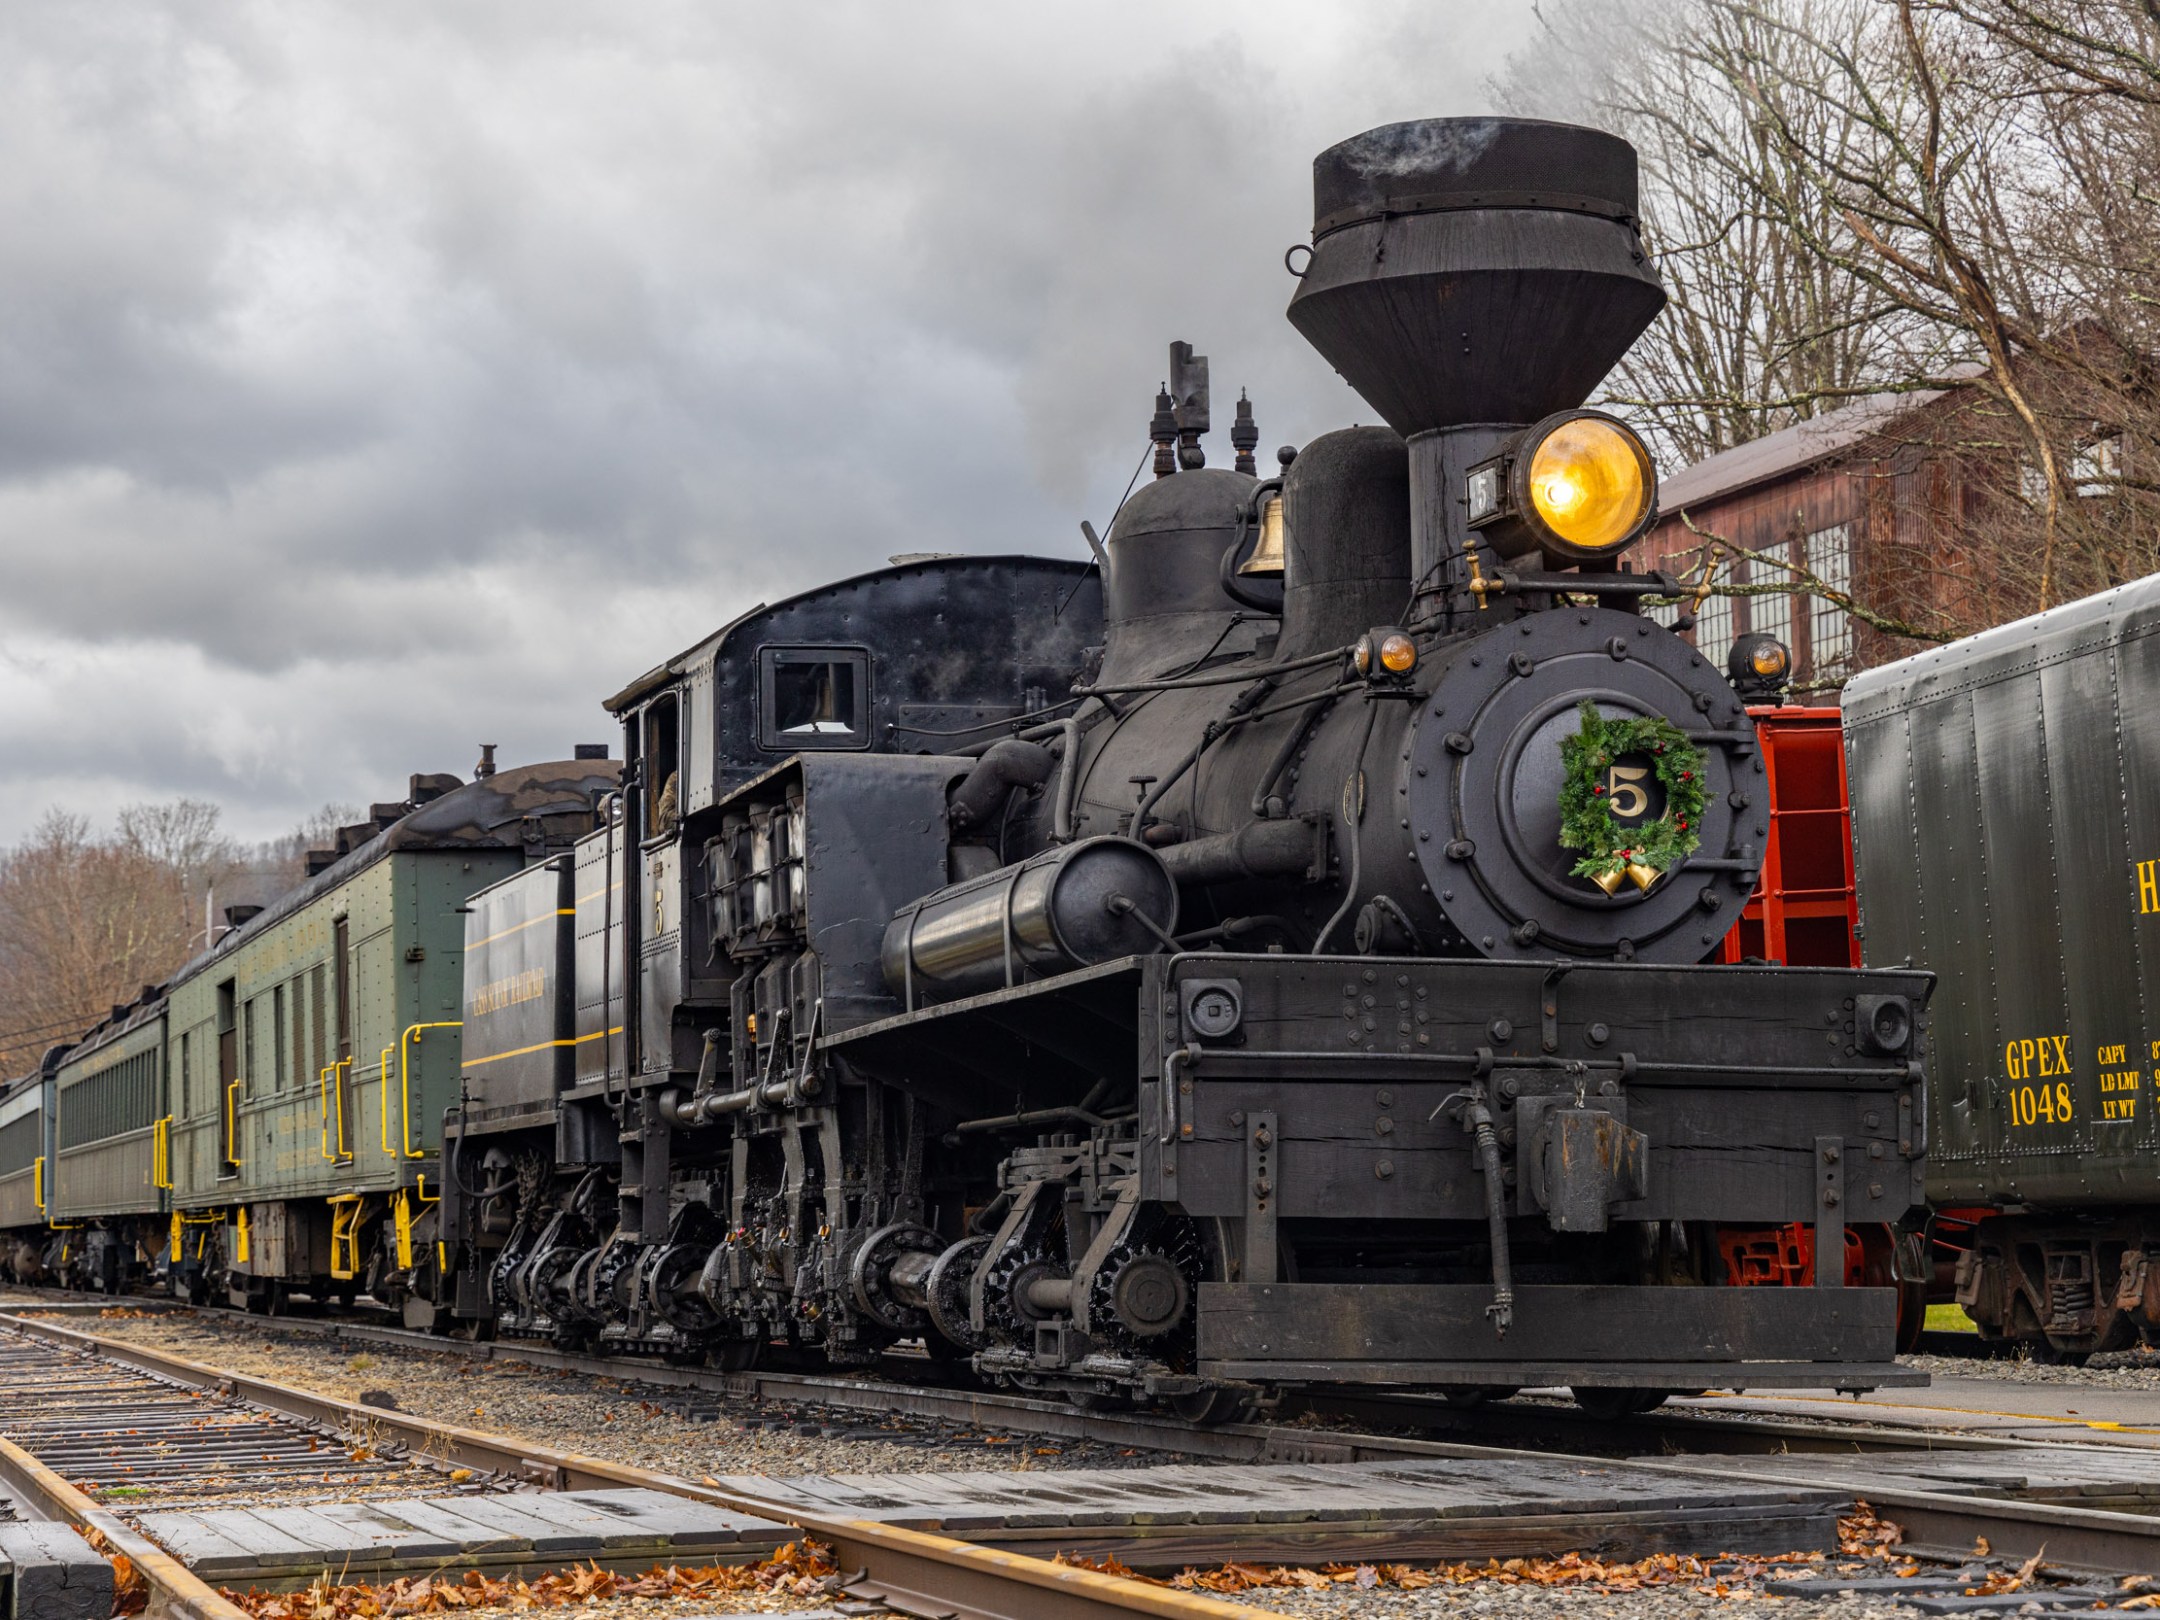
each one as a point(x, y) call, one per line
point(737, 1355)
point(1912, 1307)
point(1099, 1400)
point(1612, 1404)
point(2047, 1353)
point(1210, 1406)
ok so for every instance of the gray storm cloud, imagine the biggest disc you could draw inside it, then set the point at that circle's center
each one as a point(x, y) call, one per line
point(378, 380)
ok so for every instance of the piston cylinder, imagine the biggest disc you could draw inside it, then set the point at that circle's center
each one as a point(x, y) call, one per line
point(1066, 908)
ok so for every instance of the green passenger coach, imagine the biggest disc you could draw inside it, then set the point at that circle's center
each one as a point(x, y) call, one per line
point(25, 1150)
point(106, 1181)
point(312, 1051)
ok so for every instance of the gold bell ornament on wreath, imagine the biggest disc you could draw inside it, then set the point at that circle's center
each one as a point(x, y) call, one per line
point(1610, 881)
point(1643, 875)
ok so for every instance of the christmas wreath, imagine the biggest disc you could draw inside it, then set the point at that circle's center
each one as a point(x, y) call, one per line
point(1643, 850)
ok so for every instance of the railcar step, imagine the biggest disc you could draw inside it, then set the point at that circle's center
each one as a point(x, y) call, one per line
point(275, 1546)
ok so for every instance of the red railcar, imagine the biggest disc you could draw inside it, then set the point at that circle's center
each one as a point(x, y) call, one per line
point(1803, 913)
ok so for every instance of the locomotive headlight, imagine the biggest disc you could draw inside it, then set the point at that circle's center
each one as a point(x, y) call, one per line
point(1589, 482)
point(1398, 653)
point(1579, 485)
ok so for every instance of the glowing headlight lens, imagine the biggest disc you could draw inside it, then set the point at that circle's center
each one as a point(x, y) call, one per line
point(1590, 483)
point(1769, 658)
point(1398, 653)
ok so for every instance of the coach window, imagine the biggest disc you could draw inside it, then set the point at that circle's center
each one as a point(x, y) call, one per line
point(813, 698)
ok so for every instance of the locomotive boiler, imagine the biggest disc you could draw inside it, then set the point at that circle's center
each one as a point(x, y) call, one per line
point(1280, 960)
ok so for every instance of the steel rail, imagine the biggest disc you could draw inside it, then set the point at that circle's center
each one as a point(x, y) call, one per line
point(1944, 1522)
point(910, 1570)
point(1938, 1521)
point(1235, 1442)
point(1238, 1442)
point(176, 1592)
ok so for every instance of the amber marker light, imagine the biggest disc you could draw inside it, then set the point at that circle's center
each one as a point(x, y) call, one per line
point(1398, 653)
point(1769, 659)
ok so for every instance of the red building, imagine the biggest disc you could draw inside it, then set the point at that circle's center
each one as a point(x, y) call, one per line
point(1921, 506)
point(1811, 495)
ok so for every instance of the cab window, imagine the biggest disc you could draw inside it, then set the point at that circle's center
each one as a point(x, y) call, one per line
point(813, 698)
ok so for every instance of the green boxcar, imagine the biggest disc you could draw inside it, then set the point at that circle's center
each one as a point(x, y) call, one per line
point(313, 1051)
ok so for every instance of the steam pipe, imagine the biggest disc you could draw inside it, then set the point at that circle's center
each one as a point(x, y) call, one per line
point(1215, 678)
point(1281, 761)
point(1357, 831)
point(1005, 765)
point(1061, 827)
point(1260, 849)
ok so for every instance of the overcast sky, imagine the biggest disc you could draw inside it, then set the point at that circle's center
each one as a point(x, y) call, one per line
point(378, 380)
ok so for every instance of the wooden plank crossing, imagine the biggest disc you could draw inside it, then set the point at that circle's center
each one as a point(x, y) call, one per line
point(277, 1546)
point(1420, 1508)
point(2121, 1478)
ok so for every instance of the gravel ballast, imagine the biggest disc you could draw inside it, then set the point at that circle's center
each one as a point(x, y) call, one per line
point(2120, 1369)
point(647, 1426)
point(658, 1427)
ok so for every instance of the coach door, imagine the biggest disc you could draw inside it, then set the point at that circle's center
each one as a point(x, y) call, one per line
point(341, 1061)
point(227, 1100)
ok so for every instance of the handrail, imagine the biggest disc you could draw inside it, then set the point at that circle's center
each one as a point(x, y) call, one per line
point(322, 1086)
point(182, 1220)
point(382, 1100)
point(232, 1122)
point(161, 1154)
point(332, 1082)
point(412, 1035)
point(37, 1183)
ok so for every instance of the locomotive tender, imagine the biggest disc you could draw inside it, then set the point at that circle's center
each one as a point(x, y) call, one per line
point(1163, 979)
point(1209, 1005)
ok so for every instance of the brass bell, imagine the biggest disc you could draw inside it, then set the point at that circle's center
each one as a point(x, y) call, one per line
point(1608, 881)
point(1643, 875)
point(1267, 557)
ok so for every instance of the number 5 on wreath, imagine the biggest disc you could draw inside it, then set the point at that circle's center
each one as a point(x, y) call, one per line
point(1624, 791)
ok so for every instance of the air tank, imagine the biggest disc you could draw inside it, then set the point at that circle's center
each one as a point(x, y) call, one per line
point(1068, 907)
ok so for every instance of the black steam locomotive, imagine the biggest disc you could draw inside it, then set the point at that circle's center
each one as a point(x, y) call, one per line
point(1183, 977)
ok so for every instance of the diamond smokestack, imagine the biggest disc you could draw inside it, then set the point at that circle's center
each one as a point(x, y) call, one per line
point(1470, 276)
